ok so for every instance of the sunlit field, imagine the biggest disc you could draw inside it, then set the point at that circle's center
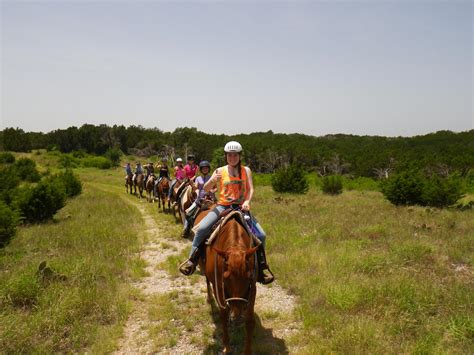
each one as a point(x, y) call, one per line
point(372, 277)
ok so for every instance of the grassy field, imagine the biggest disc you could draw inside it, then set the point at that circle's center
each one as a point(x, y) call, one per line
point(372, 277)
point(369, 277)
point(90, 247)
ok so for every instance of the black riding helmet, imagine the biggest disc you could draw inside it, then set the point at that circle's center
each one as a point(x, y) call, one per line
point(191, 157)
point(204, 164)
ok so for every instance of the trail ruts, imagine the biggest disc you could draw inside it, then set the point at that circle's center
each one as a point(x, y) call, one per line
point(275, 321)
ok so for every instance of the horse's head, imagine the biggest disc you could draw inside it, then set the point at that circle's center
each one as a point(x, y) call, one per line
point(238, 277)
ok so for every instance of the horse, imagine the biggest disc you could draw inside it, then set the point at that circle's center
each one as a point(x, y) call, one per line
point(128, 183)
point(231, 274)
point(178, 187)
point(188, 196)
point(162, 189)
point(138, 182)
point(149, 185)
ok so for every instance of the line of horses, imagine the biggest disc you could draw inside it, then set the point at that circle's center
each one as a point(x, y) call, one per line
point(228, 263)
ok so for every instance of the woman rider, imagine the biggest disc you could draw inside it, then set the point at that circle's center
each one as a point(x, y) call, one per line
point(192, 211)
point(179, 175)
point(190, 168)
point(149, 170)
point(163, 171)
point(236, 189)
point(138, 171)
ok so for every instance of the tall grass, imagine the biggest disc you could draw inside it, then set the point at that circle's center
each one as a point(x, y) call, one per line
point(90, 246)
point(371, 277)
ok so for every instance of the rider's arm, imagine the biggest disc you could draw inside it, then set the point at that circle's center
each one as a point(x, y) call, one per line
point(249, 194)
point(211, 183)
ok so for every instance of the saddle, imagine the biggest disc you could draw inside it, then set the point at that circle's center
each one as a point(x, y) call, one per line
point(224, 217)
point(180, 190)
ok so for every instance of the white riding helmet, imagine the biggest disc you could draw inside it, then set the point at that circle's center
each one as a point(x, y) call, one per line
point(179, 160)
point(233, 147)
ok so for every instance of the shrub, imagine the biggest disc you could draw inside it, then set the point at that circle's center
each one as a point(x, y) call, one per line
point(290, 179)
point(40, 202)
point(78, 154)
point(8, 222)
point(26, 170)
point(67, 161)
point(114, 155)
point(7, 158)
point(442, 192)
point(72, 185)
point(97, 162)
point(405, 188)
point(413, 188)
point(9, 181)
point(332, 184)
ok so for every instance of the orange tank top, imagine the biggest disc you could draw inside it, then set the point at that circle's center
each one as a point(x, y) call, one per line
point(232, 189)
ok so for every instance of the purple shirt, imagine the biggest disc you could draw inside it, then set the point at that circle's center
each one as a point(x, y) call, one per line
point(200, 181)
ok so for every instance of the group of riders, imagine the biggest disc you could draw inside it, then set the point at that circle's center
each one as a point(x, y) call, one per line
point(235, 186)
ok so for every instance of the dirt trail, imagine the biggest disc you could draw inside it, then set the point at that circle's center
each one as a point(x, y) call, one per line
point(272, 301)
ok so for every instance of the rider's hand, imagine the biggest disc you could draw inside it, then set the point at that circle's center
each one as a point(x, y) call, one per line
point(218, 175)
point(246, 205)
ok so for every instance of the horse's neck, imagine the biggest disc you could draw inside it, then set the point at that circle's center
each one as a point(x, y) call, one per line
point(232, 235)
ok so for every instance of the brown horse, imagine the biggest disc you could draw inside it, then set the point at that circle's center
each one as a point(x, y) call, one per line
point(139, 181)
point(163, 189)
point(128, 183)
point(149, 185)
point(230, 269)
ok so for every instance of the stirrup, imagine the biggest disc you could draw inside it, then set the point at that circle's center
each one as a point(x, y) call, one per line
point(185, 232)
point(187, 268)
point(266, 279)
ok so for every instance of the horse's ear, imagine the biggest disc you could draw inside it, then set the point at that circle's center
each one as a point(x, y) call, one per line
point(220, 252)
point(250, 251)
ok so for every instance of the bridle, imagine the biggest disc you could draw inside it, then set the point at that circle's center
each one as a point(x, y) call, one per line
point(230, 299)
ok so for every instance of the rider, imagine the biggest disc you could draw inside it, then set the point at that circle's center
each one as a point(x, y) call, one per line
point(179, 175)
point(236, 190)
point(193, 210)
point(128, 170)
point(190, 168)
point(138, 170)
point(150, 170)
point(163, 171)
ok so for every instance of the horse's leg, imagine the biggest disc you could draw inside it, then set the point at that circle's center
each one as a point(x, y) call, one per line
point(250, 322)
point(209, 291)
point(225, 330)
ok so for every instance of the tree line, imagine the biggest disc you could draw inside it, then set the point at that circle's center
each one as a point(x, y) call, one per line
point(443, 152)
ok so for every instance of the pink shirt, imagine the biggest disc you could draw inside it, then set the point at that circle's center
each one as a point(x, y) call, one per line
point(190, 170)
point(179, 173)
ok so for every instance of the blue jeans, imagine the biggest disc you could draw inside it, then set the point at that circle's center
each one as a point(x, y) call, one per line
point(170, 192)
point(206, 224)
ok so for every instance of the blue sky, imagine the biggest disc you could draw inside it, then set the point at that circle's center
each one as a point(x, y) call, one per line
point(361, 67)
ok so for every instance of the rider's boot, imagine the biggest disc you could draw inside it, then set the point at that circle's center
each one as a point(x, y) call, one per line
point(189, 266)
point(189, 224)
point(263, 277)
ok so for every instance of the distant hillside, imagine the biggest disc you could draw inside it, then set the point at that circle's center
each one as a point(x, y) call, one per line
point(443, 151)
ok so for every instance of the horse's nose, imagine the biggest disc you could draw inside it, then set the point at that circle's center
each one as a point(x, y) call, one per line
point(235, 314)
